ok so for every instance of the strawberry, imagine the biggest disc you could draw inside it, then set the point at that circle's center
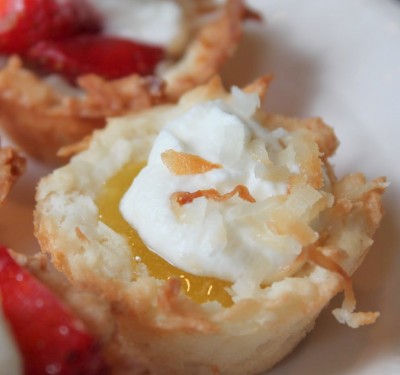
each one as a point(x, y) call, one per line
point(25, 22)
point(51, 339)
point(107, 56)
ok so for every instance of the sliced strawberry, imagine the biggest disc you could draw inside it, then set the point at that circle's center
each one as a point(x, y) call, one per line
point(25, 22)
point(51, 339)
point(109, 57)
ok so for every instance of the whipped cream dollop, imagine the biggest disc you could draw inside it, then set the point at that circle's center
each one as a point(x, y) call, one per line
point(10, 358)
point(228, 239)
point(158, 22)
point(155, 22)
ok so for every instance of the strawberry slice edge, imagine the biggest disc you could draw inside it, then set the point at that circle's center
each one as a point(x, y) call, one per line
point(107, 56)
point(51, 339)
point(23, 23)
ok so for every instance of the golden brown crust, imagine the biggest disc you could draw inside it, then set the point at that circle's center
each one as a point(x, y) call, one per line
point(323, 134)
point(211, 47)
point(149, 314)
point(42, 120)
point(12, 165)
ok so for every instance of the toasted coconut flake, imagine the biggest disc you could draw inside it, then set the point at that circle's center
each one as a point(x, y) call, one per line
point(109, 98)
point(308, 158)
point(293, 267)
point(282, 224)
point(316, 255)
point(322, 134)
point(345, 314)
point(342, 207)
point(183, 197)
point(306, 202)
point(335, 253)
point(356, 187)
point(354, 192)
point(355, 319)
point(299, 208)
point(373, 208)
point(12, 165)
point(181, 163)
point(260, 86)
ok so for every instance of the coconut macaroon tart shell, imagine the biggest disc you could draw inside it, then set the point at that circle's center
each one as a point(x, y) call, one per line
point(41, 119)
point(331, 220)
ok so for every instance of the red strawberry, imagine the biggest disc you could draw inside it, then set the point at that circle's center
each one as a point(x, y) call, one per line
point(51, 339)
point(25, 22)
point(109, 57)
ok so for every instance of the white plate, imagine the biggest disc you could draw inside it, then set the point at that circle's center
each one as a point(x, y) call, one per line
point(339, 60)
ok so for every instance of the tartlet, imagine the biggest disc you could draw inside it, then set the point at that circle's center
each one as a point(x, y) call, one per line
point(42, 119)
point(259, 326)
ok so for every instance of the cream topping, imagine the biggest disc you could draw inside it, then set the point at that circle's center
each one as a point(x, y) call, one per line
point(158, 22)
point(155, 22)
point(228, 239)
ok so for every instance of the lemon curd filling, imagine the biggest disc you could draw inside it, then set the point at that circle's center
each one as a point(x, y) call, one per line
point(199, 288)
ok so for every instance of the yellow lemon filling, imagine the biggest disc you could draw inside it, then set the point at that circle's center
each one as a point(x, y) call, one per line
point(199, 288)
